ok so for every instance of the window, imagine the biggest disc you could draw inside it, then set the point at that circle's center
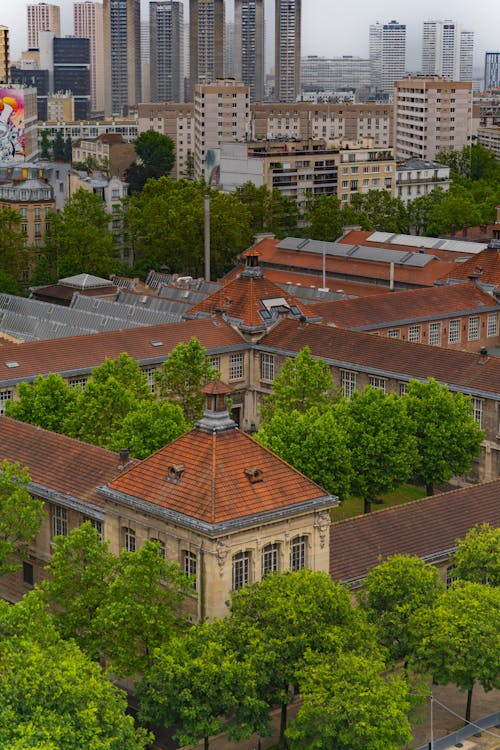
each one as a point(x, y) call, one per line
point(162, 551)
point(236, 366)
point(492, 324)
point(454, 331)
point(28, 574)
point(394, 333)
point(267, 367)
point(215, 362)
point(270, 559)
point(477, 410)
point(129, 539)
point(298, 553)
point(77, 383)
point(474, 328)
point(241, 570)
point(414, 334)
point(379, 383)
point(435, 334)
point(403, 389)
point(5, 396)
point(348, 382)
point(59, 521)
point(149, 373)
point(97, 525)
point(190, 566)
point(450, 576)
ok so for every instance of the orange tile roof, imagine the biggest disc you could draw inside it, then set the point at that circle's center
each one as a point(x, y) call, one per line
point(272, 255)
point(82, 353)
point(410, 305)
point(485, 267)
point(214, 487)
point(242, 298)
point(427, 528)
point(402, 360)
point(57, 462)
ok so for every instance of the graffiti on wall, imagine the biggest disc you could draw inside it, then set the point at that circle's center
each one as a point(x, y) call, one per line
point(12, 140)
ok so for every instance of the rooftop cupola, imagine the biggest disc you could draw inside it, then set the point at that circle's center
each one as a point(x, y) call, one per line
point(252, 269)
point(216, 415)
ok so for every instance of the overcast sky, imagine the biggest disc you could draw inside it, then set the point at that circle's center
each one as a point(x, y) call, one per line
point(333, 27)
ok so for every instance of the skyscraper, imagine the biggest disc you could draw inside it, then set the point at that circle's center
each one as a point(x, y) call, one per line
point(491, 70)
point(4, 54)
point(206, 42)
point(88, 23)
point(248, 48)
point(166, 23)
point(287, 50)
point(447, 50)
point(122, 55)
point(42, 17)
point(387, 52)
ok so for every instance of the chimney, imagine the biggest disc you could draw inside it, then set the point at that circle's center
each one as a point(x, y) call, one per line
point(391, 277)
point(483, 356)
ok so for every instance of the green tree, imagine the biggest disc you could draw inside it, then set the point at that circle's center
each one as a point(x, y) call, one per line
point(12, 250)
point(58, 150)
point(315, 443)
point(186, 369)
point(348, 703)
point(421, 210)
point(381, 210)
point(8, 285)
point(392, 592)
point(477, 558)
point(156, 151)
point(474, 162)
point(199, 685)
point(458, 639)
point(47, 402)
point(304, 382)
point(78, 239)
point(448, 437)
point(382, 443)
point(46, 145)
point(125, 370)
point(455, 209)
point(270, 211)
point(21, 516)
point(323, 218)
point(68, 150)
point(148, 427)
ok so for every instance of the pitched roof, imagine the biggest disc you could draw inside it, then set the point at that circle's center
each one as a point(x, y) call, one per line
point(462, 371)
point(79, 354)
point(485, 267)
point(216, 480)
point(65, 466)
point(427, 528)
point(406, 306)
point(446, 249)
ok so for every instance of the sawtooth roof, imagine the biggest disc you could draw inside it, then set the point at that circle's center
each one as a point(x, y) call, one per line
point(427, 528)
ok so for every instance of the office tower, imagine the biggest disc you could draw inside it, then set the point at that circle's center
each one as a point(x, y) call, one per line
point(387, 52)
point(4, 54)
point(72, 71)
point(249, 45)
point(145, 62)
point(122, 55)
point(206, 41)
point(88, 23)
point(334, 74)
point(287, 50)
point(447, 50)
point(166, 21)
point(42, 17)
point(229, 51)
point(491, 70)
point(431, 115)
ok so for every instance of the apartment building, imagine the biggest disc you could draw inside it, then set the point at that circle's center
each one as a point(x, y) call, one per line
point(415, 177)
point(166, 27)
point(490, 138)
point(88, 23)
point(287, 47)
point(176, 121)
point(248, 46)
point(334, 73)
point(42, 17)
point(206, 42)
point(447, 50)
point(387, 52)
point(431, 114)
point(491, 70)
point(33, 199)
point(122, 50)
point(4, 54)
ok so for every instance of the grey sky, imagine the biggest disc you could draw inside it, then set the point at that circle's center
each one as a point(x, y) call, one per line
point(334, 27)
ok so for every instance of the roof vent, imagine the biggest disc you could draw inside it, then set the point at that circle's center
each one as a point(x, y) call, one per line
point(157, 343)
point(12, 364)
point(174, 473)
point(254, 475)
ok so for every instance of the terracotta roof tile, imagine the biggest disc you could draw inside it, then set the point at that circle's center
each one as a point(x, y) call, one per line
point(485, 267)
point(414, 304)
point(214, 486)
point(400, 359)
point(355, 288)
point(425, 528)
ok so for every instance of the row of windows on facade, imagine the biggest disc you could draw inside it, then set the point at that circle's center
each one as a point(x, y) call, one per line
point(270, 557)
point(455, 327)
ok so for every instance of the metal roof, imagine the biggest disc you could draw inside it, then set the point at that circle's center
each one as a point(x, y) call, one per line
point(411, 240)
point(358, 252)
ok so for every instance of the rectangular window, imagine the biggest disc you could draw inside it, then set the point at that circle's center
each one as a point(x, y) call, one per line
point(236, 366)
point(298, 549)
point(492, 325)
point(348, 382)
point(403, 389)
point(28, 574)
point(149, 373)
point(379, 383)
point(78, 383)
point(435, 334)
point(162, 550)
point(477, 411)
point(59, 521)
point(190, 566)
point(5, 396)
point(414, 334)
point(454, 331)
point(270, 559)
point(394, 333)
point(215, 362)
point(267, 367)
point(474, 328)
point(129, 541)
point(241, 570)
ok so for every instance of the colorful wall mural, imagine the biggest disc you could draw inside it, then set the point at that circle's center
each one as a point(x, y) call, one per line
point(12, 140)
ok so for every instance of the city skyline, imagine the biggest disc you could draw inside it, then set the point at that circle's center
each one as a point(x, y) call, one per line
point(327, 33)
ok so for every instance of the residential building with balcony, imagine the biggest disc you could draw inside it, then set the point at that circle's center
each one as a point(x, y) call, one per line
point(416, 177)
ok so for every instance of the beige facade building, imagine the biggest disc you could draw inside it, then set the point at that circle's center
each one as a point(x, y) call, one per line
point(431, 114)
point(88, 23)
point(176, 121)
point(206, 42)
point(4, 54)
point(490, 138)
point(61, 107)
point(42, 17)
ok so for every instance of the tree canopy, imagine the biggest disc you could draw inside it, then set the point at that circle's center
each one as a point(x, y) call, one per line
point(477, 558)
point(46, 402)
point(156, 151)
point(12, 251)
point(270, 211)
